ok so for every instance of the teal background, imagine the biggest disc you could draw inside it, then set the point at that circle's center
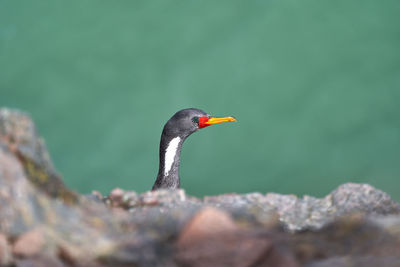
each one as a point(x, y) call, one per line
point(315, 86)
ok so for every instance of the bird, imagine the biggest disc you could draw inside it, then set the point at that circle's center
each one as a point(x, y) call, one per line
point(182, 124)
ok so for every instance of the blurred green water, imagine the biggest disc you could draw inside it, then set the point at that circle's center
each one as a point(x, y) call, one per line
point(315, 86)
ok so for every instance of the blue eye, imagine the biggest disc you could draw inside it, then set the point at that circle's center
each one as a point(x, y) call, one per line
point(195, 120)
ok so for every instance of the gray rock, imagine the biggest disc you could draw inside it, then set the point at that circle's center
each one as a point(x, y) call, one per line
point(18, 131)
point(294, 213)
point(298, 214)
point(170, 228)
point(19, 137)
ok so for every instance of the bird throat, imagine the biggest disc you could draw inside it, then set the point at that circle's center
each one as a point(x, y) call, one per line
point(168, 174)
point(170, 154)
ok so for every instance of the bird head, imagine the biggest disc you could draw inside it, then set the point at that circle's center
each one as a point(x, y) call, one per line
point(188, 121)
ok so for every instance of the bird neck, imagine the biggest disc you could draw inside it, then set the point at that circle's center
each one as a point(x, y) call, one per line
point(170, 151)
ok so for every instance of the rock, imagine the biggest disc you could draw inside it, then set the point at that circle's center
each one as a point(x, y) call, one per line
point(206, 223)
point(357, 261)
point(50, 225)
point(116, 197)
point(69, 259)
point(95, 196)
point(32, 195)
point(162, 197)
point(5, 254)
point(347, 236)
point(390, 223)
point(211, 238)
point(29, 244)
point(18, 135)
point(352, 197)
point(251, 209)
point(298, 214)
point(39, 261)
point(116, 194)
point(223, 249)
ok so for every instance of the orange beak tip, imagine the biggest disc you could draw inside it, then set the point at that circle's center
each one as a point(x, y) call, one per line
point(216, 120)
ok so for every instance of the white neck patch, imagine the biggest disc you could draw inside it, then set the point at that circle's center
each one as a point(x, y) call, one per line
point(170, 153)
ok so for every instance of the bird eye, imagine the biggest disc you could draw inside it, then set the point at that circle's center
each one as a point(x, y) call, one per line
point(195, 120)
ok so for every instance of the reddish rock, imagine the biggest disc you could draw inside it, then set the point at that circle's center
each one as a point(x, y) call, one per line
point(209, 221)
point(212, 238)
point(233, 249)
point(69, 259)
point(149, 199)
point(29, 244)
point(117, 194)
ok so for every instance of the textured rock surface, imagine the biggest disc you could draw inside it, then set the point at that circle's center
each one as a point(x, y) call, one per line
point(43, 223)
point(313, 213)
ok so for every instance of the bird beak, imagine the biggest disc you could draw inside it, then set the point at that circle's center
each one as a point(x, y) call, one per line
point(215, 120)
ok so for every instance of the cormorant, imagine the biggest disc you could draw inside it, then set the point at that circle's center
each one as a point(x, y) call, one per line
point(176, 130)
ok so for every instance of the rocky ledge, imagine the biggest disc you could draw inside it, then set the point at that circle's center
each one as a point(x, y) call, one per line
point(43, 223)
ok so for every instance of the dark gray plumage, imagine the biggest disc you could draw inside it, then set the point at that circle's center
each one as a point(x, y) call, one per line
point(176, 130)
